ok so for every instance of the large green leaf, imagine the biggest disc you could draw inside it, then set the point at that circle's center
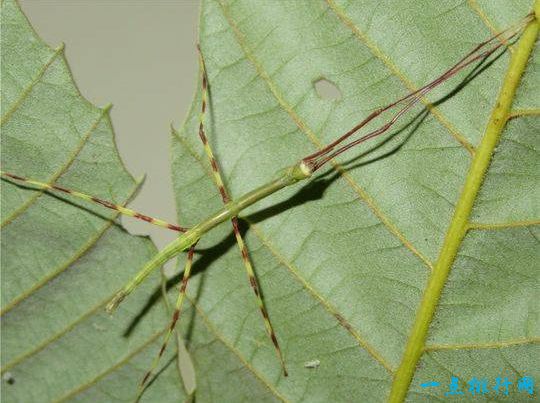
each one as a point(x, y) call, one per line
point(61, 262)
point(343, 262)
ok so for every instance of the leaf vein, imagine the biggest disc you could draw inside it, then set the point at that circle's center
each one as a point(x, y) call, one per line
point(236, 352)
point(62, 169)
point(473, 4)
point(85, 248)
point(33, 83)
point(482, 346)
point(408, 84)
point(502, 226)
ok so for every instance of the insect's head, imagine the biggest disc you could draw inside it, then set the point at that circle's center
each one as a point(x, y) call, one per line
point(300, 171)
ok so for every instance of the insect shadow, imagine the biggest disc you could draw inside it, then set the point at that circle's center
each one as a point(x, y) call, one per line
point(410, 127)
point(206, 256)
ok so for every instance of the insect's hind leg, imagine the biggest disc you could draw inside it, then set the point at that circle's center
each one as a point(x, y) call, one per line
point(174, 320)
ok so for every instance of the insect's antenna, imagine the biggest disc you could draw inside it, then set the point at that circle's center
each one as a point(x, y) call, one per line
point(174, 320)
point(318, 159)
point(226, 199)
point(121, 209)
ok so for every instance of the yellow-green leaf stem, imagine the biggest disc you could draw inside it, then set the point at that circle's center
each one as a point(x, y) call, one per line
point(459, 224)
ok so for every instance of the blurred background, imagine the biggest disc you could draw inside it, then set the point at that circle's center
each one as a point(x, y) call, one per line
point(140, 56)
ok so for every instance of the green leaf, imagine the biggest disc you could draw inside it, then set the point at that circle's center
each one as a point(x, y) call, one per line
point(62, 259)
point(344, 262)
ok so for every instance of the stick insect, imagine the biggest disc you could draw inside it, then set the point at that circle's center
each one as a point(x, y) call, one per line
point(302, 170)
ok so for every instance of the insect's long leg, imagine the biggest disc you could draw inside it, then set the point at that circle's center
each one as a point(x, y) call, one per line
point(226, 199)
point(322, 156)
point(121, 209)
point(174, 319)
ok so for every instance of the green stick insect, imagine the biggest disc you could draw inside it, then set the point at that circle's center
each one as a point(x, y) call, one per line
point(302, 170)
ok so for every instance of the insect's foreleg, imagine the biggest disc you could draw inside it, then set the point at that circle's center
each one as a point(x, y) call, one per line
point(117, 207)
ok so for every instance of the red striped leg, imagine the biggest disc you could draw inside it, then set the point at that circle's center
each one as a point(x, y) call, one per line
point(174, 320)
point(225, 197)
point(121, 209)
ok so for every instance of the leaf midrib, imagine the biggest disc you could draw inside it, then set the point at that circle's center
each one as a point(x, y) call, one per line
point(459, 224)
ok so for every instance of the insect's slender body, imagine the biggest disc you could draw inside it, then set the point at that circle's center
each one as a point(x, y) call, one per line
point(308, 165)
point(286, 178)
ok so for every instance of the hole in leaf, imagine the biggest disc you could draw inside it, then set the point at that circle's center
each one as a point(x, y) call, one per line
point(8, 377)
point(326, 89)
